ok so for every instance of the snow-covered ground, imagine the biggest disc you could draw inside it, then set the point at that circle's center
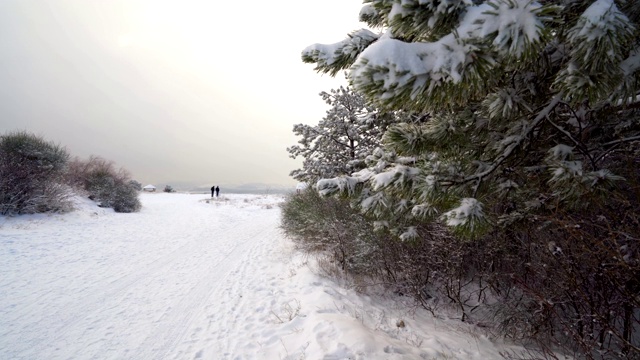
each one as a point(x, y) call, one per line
point(193, 278)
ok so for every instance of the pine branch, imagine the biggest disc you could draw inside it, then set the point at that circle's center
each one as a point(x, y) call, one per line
point(614, 144)
point(582, 147)
point(575, 115)
point(330, 137)
point(509, 150)
point(633, 138)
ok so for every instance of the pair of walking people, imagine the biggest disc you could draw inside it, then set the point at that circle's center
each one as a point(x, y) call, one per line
point(216, 190)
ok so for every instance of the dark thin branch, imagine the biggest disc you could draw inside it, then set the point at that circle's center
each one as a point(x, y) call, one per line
point(330, 137)
point(633, 138)
point(580, 128)
point(509, 150)
point(583, 149)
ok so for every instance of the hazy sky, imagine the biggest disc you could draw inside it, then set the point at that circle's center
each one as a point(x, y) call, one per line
point(174, 91)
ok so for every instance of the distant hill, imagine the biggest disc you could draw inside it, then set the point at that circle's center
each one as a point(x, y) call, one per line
point(246, 189)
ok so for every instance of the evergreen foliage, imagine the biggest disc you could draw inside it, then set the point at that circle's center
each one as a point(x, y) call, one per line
point(31, 175)
point(493, 84)
point(528, 143)
point(329, 225)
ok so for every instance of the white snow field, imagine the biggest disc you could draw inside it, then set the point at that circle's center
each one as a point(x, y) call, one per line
point(192, 278)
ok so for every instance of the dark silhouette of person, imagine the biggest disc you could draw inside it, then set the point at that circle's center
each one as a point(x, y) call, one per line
point(213, 189)
point(217, 191)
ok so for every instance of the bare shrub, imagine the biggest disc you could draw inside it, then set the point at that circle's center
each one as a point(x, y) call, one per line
point(108, 186)
point(288, 311)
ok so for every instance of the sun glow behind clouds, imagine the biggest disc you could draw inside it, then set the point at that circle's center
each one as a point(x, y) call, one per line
point(249, 32)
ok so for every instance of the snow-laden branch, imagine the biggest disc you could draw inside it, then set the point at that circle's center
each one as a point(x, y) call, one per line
point(331, 58)
point(391, 67)
point(632, 63)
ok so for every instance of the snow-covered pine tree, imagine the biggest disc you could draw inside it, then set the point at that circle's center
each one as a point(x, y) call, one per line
point(527, 101)
point(338, 144)
point(533, 135)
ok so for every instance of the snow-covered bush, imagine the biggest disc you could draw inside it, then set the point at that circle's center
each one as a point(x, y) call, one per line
point(108, 186)
point(530, 145)
point(168, 189)
point(31, 175)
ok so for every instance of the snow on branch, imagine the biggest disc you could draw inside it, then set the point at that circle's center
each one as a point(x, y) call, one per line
point(345, 184)
point(394, 65)
point(409, 234)
point(561, 152)
point(602, 29)
point(632, 63)
point(516, 24)
point(400, 175)
point(469, 214)
point(331, 58)
point(599, 21)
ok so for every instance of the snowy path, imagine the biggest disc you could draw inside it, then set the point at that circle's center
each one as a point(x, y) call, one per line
point(190, 279)
point(132, 285)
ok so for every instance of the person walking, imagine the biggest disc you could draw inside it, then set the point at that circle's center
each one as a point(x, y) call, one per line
point(213, 189)
point(217, 191)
